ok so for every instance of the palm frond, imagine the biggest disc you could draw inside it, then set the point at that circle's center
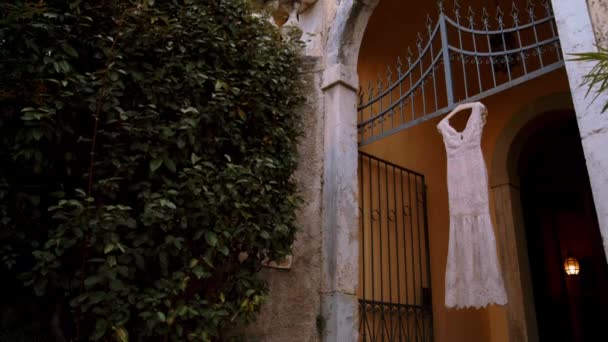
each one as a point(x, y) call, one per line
point(597, 79)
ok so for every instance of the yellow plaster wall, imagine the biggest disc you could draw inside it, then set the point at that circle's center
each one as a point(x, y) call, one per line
point(421, 149)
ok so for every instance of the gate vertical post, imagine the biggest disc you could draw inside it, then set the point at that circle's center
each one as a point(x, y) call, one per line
point(445, 50)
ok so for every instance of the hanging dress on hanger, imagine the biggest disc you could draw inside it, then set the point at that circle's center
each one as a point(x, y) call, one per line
point(473, 277)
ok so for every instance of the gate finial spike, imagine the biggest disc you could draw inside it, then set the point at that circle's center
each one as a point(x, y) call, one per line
point(419, 41)
point(440, 6)
point(429, 23)
point(530, 8)
point(379, 85)
point(514, 12)
point(457, 8)
point(547, 5)
point(485, 18)
point(361, 94)
point(389, 75)
point(471, 15)
point(370, 90)
point(499, 15)
point(399, 66)
point(409, 56)
point(530, 4)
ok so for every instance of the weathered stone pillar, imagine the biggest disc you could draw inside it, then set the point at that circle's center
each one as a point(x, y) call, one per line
point(341, 246)
point(576, 35)
point(345, 28)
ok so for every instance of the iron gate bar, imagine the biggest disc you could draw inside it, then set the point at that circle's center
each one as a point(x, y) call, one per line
point(394, 253)
point(410, 84)
point(496, 54)
point(427, 302)
point(477, 97)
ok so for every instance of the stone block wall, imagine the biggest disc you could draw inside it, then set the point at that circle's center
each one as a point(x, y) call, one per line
point(291, 310)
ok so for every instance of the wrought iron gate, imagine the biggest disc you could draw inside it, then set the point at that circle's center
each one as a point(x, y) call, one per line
point(395, 280)
point(463, 57)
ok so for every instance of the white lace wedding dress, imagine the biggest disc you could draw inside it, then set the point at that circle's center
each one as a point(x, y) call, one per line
point(473, 277)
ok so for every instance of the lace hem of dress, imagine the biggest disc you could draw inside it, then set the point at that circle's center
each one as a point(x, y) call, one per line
point(478, 299)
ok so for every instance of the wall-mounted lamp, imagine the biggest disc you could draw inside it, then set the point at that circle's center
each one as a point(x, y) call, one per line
point(571, 266)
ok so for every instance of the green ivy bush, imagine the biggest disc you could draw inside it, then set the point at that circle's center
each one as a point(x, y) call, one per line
point(146, 158)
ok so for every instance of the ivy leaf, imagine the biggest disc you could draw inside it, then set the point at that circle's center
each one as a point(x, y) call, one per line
point(108, 248)
point(91, 280)
point(122, 335)
point(112, 261)
point(166, 203)
point(198, 272)
point(211, 238)
point(220, 85)
point(170, 164)
point(194, 158)
point(100, 329)
point(242, 114)
point(155, 164)
point(189, 110)
point(69, 50)
point(208, 261)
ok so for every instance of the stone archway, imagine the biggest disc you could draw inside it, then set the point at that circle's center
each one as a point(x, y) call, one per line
point(331, 51)
point(504, 184)
point(346, 25)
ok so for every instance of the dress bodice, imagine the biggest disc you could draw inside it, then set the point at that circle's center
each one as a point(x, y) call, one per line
point(470, 137)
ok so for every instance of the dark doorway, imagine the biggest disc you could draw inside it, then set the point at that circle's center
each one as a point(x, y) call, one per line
point(560, 222)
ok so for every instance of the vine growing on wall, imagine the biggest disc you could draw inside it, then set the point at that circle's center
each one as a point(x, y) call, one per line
point(146, 158)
